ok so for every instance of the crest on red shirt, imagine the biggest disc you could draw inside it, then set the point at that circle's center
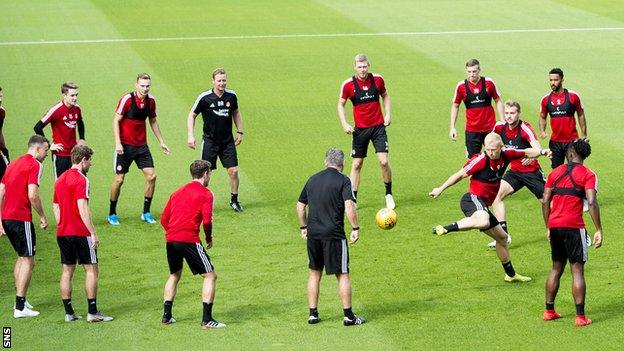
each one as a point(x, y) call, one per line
point(476, 91)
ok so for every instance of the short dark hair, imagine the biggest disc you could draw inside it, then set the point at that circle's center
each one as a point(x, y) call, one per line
point(68, 85)
point(558, 71)
point(79, 152)
point(199, 167)
point(37, 140)
point(581, 147)
point(473, 62)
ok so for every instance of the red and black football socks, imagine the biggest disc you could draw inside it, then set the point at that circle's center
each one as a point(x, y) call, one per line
point(19, 302)
point(453, 227)
point(508, 267)
point(388, 188)
point(207, 312)
point(69, 309)
point(147, 204)
point(92, 306)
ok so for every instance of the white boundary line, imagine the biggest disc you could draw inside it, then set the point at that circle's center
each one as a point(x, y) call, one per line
point(320, 35)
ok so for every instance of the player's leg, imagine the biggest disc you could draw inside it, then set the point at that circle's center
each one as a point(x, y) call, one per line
point(121, 163)
point(359, 149)
point(551, 289)
point(474, 143)
point(496, 232)
point(199, 263)
point(558, 153)
point(476, 212)
point(578, 291)
point(67, 274)
point(91, 285)
point(175, 260)
point(150, 186)
point(316, 262)
point(380, 142)
point(229, 160)
point(61, 164)
point(23, 238)
point(498, 208)
point(356, 169)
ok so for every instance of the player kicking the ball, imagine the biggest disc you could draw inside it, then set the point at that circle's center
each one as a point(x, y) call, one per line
point(485, 171)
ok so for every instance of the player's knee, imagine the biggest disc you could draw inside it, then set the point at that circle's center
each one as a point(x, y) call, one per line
point(384, 163)
point(151, 177)
point(119, 180)
point(233, 172)
point(357, 164)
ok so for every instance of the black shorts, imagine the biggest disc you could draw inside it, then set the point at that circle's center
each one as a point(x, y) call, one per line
point(331, 254)
point(568, 243)
point(22, 237)
point(77, 249)
point(194, 254)
point(470, 204)
point(534, 181)
point(474, 142)
point(61, 164)
point(558, 152)
point(226, 152)
point(141, 155)
point(362, 136)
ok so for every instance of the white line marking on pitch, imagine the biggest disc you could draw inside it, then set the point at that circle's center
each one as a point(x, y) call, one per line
point(319, 35)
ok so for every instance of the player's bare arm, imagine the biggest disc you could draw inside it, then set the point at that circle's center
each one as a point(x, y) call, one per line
point(56, 210)
point(582, 124)
point(343, 119)
point(542, 125)
point(537, 152)
point(2, 191)
point(156, 129)
point(303, 221)
point(594, 213)
point(190, 127)
point(388, 108)
point(454, 113)
point(118, 146)
point(351, 211)
point(238, 122)
point(85, 216)
point(500, 108)
point(452, 180)
point(35, 200)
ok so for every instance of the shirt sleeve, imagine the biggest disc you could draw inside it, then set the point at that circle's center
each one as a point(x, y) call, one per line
point(234, 106)
point(475, 164)
point(55, 199)
point(491, 89)
point(543, 109)
point(164, 216)
point(528, 133)
point(82, 189)
point(123, 105)
point(550, 180)
point(303, 198)
point(591, 180)
point(346, 91)
point(207, 209)
point(34, 176)
point(152, 111)
point(347, 190)
point(576, 100)
point(49, 116)
point(460, 93)
point(381, 85)
point(513, 154)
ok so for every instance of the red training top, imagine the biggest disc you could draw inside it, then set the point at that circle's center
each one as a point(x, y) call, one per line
point(63, 121)
point(478, 119)
point(132, 129)
point(482, 167)
point(561, 113)
point(566, 211)
point(527, 135)
point(187, 208)
point(368, 113)
point(70, 187)
point(20, 173)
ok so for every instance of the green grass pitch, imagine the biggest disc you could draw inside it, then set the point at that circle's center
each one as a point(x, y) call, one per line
point(418, 291)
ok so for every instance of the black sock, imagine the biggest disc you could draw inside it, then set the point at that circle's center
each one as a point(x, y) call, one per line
point(233, 198)
point(453, 227)
point(355, 194)
point(550, 306)
point(19, 302)
point(388, 188)
point(69, 309)
point(348, 313)
point(314, 312)
point(580, 309)
point(168, 305)
point(504, 225)
point(207, 312)
point(509, 269)
point(147, 203)
point(113, 207)
point(92, 306)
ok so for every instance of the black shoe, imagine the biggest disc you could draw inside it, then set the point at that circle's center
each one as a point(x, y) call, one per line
point(313, 319)
point(168, 321)
point(355, 321)
point(236, 206)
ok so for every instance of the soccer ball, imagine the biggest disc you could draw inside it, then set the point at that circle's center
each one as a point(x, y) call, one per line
point(386, 218)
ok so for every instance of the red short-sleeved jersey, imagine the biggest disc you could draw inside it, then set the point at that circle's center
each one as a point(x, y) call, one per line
point(367, 114)
point(20, 173)
point(527, 134)
point(63, 121)
point(566, 211)
point(133, 131)
point(186, 210)
point(478, 119)
point(70, 187)
point(563, 127)
point(480, 164)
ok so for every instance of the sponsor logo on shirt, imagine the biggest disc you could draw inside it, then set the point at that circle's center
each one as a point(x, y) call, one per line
point(224, 112)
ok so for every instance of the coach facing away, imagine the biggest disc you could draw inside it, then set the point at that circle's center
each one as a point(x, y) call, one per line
point(329, 195)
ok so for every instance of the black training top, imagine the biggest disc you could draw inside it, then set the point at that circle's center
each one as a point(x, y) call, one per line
point(217, 113)
point(325, 194)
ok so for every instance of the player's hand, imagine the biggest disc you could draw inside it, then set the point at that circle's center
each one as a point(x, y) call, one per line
point(526, 161)
point(209, 244)
point(348, 128)
point(81, 142)
point(190, 142)
point(387, 120)
point(548, 235)
point(43, 222)
point(354, 237)
point(165, 149)
point(119, 149)
point(238, 139)
point(543, 135)
point(2, 232)
point(597, 239)
point(435, 192)
point(56, 147)
point(453, 134)
point(547, 153)
point(304, 234)
point(96, 241)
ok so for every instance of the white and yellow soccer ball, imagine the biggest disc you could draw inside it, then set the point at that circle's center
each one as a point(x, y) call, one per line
point(386, 218)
